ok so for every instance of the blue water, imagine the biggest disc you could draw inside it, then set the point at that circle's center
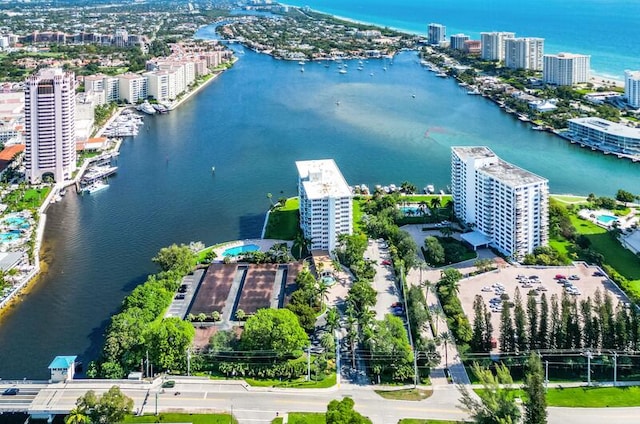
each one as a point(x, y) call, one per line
point(606, 219)
point(608, 30)
point(233, 251)
point(410, 210)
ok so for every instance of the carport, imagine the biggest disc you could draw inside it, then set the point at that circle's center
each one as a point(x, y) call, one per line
point(476, 239)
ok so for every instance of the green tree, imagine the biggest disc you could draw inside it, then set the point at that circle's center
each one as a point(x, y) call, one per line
point(477, 341)
point(274, 329)
point(519, 321)
point(361, 296)
point(535, 406)
point(390, 349)
point(77, 416)
point(532, 316)
point(109, 408)
point(497, 404)
point(507, 333)
point(449, 279)
point(625, 197)
point(543, 326)
point(168, 341)
point(342, 412)
point(176, 258)
point(433, 251)
point(333, 319)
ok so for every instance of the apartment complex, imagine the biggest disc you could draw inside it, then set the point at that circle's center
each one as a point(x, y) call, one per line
point(605, 135)
point(524, 53)
point(493, 44)
point(50, 100)
point(566, 68)
point(456, 41)
point(325, 203)
point(507, 205)
point(436, 33)
point(632, 88)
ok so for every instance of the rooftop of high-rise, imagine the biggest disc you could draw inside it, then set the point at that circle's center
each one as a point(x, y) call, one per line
point(322, 178)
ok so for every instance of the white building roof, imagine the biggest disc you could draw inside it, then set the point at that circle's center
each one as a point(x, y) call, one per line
point(504, 172)
point(608, 127)
point(322, 178)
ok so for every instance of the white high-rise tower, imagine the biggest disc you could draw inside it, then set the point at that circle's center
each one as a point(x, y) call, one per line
point(50, 125)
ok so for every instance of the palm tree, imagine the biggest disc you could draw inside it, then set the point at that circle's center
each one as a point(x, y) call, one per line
point(333, 319)
point(446, 338)
point(422, 208)
point(323, 292)
point(77, 416)
point(301, 243)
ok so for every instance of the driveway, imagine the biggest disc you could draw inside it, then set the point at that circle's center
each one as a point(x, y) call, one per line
point(384, 281)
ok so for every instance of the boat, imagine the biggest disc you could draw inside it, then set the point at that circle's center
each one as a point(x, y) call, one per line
point(302, 62)
point(160, 109)
point(342, 71)
point(95, 187)
point(63, 192)
point(213, 169)
point(360, 68)
point(537, 128)
point(301, 69)
point(441, 75)
point(146, 108)
point(474, 92)
point(429, 189)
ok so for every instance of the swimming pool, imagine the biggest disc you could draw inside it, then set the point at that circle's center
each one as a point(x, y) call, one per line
point(233, 251)
point(410, 210)
point(606, 219)
point(16, 221)
point(328, 280)
point(10, 236)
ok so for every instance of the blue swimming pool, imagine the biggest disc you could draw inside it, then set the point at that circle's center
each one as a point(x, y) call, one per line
point(16, 221)
point(410, 210)
point(10, 235)
point(606, 219)
point(233, 251)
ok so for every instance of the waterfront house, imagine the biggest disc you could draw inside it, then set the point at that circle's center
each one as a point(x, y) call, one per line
point(62, 368)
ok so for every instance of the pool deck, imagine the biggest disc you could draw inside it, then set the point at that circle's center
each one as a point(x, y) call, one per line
point(263, 244)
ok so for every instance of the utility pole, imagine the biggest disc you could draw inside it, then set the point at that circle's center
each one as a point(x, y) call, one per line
point(156, 403)
point(309, 364)
point(546, 375)
point(615, 368)
point(338, 365)
point(589, 355)
point(188, 361)
point(147, 363)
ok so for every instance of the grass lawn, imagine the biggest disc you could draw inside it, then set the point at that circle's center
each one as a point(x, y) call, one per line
point(569, 199)
point(560, 246)
point(427, 198)
point(594, 397)
point(283, 221)
point(307, 418)
point(277, 420)
point(357, 214)
point(301, 383)
point(30, 198)
point(405, 394)
point(625, 262)
point(181, 418)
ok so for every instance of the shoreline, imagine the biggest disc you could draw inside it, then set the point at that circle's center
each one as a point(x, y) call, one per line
point(595, 75)
point(22, 288)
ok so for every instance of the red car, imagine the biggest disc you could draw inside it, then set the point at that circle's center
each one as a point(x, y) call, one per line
point(560, 277)
point(386, 262)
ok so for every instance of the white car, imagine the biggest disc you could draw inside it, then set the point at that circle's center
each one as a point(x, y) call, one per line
point(486, 289)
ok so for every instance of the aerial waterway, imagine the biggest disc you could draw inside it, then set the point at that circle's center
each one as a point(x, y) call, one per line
point(253, 123)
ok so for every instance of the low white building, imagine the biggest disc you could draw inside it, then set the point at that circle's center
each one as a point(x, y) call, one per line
point(62, 368)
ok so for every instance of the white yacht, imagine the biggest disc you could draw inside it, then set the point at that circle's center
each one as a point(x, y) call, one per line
point(146, 108)
point(95, 187)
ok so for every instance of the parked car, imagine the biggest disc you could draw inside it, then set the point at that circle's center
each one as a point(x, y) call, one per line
point(396, 305)
point(169, 384)
point(386, 262)
point(533, 277)
point(598, 274)
point(486, 289)
point(574, 277)
point(560, 277)
point(11, 391)
point(180, 296)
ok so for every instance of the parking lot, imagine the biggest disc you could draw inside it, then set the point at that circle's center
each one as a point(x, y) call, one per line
point(579, 280)
point(388, 299)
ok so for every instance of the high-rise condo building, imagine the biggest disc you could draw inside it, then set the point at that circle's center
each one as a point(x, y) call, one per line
point(436, 33)
point(325, 203)
point(50, 101)
point(632, 88)
point(566, 68)
point(507, 205)
point(457, 41)
point(524, 53)
point(493, 44)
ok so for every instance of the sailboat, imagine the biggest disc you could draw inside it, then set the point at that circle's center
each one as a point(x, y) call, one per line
point(213, 169)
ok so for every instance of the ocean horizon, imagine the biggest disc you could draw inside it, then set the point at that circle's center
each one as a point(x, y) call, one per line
point(584, 27)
